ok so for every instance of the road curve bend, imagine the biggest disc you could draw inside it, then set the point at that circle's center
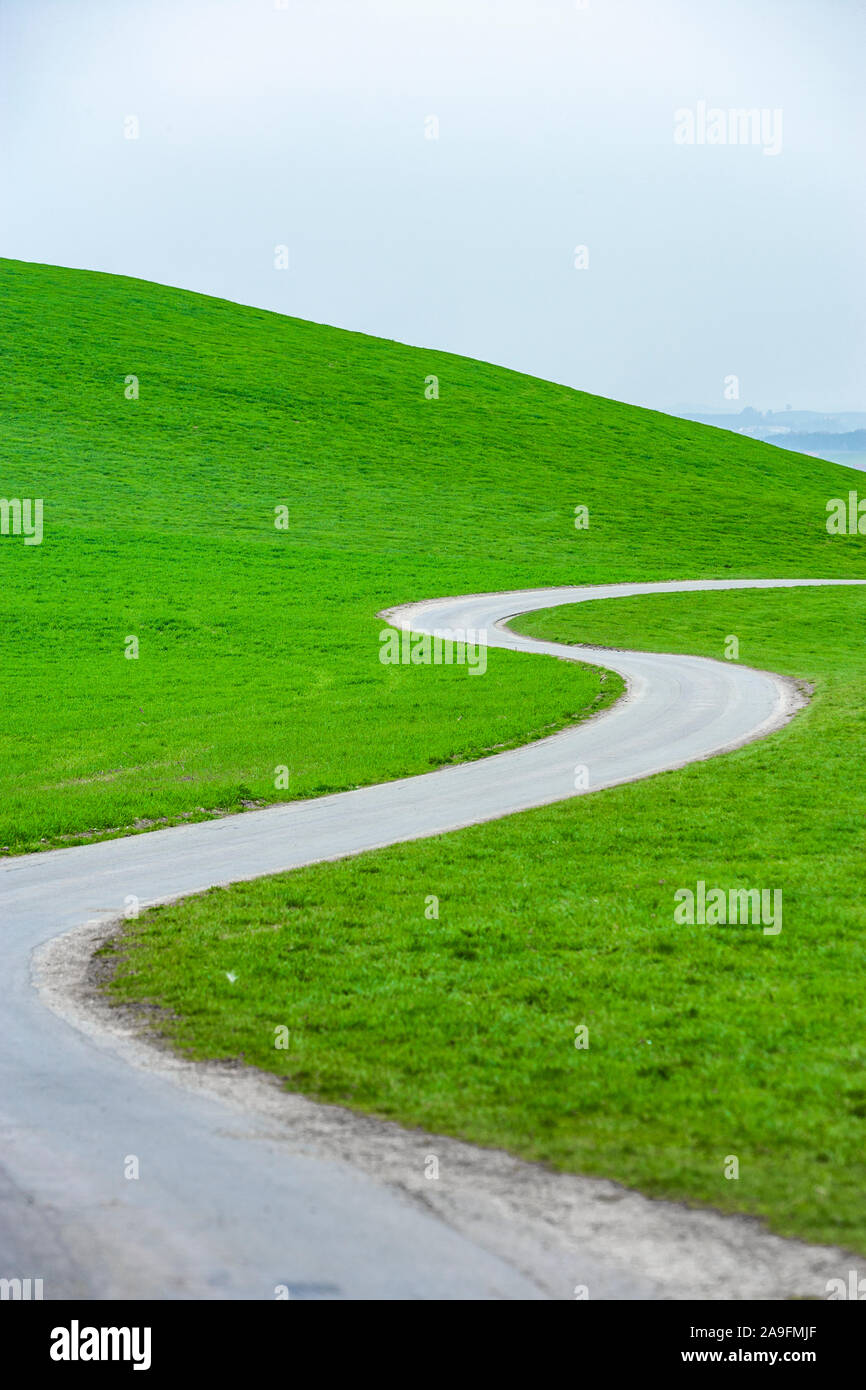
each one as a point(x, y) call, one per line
point(222, 1210)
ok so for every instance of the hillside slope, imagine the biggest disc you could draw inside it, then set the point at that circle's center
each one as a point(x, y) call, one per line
point(258, 647)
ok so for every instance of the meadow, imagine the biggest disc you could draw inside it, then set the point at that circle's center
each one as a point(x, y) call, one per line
point(164, 432)
point(703, 1043)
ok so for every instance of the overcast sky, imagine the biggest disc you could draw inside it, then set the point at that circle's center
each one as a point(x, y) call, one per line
point(305, 123)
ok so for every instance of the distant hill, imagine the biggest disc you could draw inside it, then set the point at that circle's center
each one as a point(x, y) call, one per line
point(767, 424)
point(853, 442)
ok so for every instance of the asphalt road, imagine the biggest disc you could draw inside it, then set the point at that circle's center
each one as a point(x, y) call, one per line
point(221, 1208)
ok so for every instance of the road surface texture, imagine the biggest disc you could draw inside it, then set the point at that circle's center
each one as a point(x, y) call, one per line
point(243, 1188)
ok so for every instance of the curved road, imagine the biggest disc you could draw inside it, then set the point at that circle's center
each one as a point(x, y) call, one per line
point(221, 1209)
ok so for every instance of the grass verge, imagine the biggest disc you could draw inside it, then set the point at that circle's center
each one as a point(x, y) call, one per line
point(705, 1043)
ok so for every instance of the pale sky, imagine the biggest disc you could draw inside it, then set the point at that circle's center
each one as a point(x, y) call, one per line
point(305, 125)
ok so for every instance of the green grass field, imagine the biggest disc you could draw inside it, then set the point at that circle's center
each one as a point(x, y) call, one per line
point(258, 648)
point(704, 1042)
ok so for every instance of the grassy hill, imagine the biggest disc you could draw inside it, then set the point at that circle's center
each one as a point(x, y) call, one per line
point(704, 1042)
point(258, 647)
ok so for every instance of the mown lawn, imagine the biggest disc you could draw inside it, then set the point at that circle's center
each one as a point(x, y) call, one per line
point(258, 647)
point(705, 1043)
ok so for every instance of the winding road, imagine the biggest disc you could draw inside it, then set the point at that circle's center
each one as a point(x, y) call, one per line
point(222, 1208)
